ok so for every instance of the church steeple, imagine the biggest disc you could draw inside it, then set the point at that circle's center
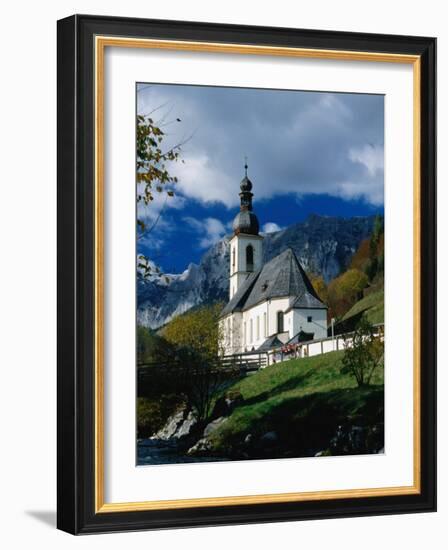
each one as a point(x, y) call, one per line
point(246, 243)
point(245, 194)
point(246, 221)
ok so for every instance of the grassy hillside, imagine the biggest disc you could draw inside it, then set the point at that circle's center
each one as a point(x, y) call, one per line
point(364, 278)
point(372, 305)
point(303, 401)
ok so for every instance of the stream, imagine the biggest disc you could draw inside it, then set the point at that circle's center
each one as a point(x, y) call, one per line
point(160, 451)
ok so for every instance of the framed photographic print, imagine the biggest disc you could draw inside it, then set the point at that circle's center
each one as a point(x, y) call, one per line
point(246, 274)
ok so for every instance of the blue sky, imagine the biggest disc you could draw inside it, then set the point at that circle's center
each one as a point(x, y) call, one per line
point(308, 153)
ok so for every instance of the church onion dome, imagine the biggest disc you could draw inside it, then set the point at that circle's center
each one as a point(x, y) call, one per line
point(246, 222)
point(246, 184)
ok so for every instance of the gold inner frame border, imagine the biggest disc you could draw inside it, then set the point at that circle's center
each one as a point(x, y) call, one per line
point(101, 42)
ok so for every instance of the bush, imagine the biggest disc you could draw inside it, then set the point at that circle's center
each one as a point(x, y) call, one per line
point(364, 352)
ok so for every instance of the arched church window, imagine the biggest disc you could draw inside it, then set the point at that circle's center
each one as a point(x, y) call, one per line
point(249, 258)
point(279, 321)
point(233, 259)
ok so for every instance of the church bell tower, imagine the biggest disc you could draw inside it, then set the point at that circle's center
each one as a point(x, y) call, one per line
point(246, 244)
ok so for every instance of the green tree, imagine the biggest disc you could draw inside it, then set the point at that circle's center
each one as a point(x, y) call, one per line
point(152, 348)
point(364, 352)
point(319, 286)
point(375, 248)
point(198, 337)
point(197, 331)
point(154, 164)
point(360, 259)
point(153, 161)
point(345, 290)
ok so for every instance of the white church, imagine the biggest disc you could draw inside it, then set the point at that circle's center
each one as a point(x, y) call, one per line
point(271, 304)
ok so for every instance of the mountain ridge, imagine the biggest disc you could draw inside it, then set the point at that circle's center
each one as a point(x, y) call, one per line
point(323, 244)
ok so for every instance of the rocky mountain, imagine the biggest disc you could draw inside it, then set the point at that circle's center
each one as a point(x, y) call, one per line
point(324, 245)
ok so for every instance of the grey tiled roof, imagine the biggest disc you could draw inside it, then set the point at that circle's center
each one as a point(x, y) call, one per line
point(270, 343)
point(307, 300)
point(300, 337)
point(238, 300)
point(282, 276)
point(246, 222)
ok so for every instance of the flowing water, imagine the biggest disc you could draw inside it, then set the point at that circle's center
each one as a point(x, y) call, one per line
point(159, 451)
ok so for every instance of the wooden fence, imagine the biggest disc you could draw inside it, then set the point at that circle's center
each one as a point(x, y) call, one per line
point(250, 361)
point(244, 363)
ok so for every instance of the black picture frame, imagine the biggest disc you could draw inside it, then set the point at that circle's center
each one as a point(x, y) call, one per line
point(76, 254)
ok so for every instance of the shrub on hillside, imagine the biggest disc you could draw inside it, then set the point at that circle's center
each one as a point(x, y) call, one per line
point(369, 256)
point(364, 353)
point(319, 286)
point(361, 258)
point(345, 290)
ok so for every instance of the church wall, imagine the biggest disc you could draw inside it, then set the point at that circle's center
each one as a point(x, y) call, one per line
point(236, 281)
point(237, 319)
point(276, 305)
point(318, 324)
point(289, 323)
point(231, 332)
point(238, 267)
point(246, 330)
point(240, 242)
point(257, 316)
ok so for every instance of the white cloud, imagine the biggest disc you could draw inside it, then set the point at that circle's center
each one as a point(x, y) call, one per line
point(333, 103)
point(210, 230)
point(300, 143)
point(372, 191)
point(270, 227)
point(201, 179)
point(151, 241)
point(370, 156)
point(161, 203)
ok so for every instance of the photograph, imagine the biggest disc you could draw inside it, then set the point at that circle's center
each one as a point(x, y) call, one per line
point(259, 274)
point(246, 273)
point(238, 275)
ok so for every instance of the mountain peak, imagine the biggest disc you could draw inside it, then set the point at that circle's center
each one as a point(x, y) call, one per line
point(323, 244)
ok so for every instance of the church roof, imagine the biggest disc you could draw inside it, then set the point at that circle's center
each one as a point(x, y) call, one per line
point(240, 297)
point(300, 337)
point(270, 343)
point(280, 277)
point(246, 222)
point(306, 300)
